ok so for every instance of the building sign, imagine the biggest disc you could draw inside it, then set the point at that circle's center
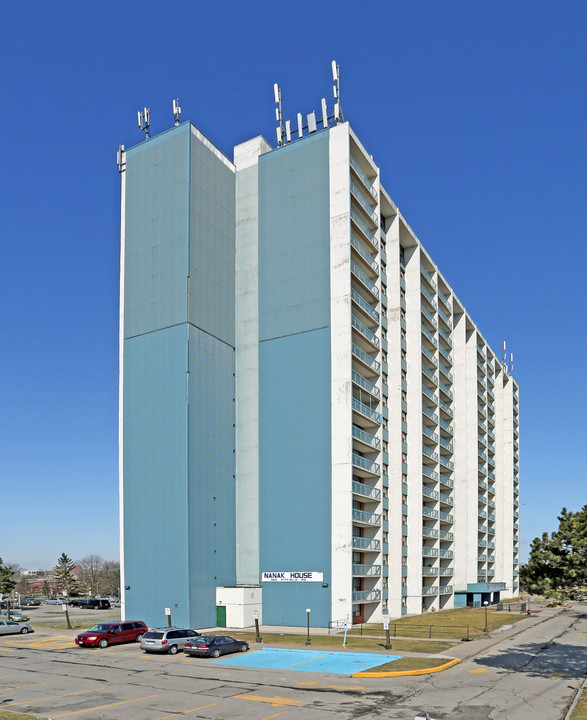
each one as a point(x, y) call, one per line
point(497, 586)
point(289, 576)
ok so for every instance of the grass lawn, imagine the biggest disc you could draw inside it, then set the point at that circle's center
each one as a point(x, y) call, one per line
point(76, 624)
point(580, 710)
point(5, 715)
point(335, 642)
point(409, 664)
point(446, 623)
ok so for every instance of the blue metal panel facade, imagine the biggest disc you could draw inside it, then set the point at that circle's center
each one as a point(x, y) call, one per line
point(178, 424)
point(294, 378)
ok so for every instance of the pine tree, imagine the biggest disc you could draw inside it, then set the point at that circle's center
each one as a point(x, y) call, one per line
point(64, 577)
point(557, 566)
point(7, 579)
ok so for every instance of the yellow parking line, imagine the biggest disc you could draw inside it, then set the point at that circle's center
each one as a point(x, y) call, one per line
point(3, 677)
point(6, 649)
point(303, 661)
point(51, 697)
point(101, 707)
point(185, 712)
point(275, 701)
point(274, 716)
point(20, 687)
point(476, 672)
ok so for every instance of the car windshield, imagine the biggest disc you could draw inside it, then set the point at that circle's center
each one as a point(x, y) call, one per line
point(100, 628)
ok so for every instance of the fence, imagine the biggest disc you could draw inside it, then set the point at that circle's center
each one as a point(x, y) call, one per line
point(408, 630)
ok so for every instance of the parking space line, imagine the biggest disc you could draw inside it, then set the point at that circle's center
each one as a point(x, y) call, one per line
point(275, 701)
point(51, 697)
point(101, 707)
point(284, 667)
point(6, 649)
point(3, 677)
point(185, 712)
point(20, 687)
point(274, 716)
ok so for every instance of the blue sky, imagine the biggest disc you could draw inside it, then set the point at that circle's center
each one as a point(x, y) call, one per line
point(474, 111)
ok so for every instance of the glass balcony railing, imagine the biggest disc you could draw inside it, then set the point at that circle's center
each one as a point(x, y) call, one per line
point(429, 355)
point(366, 570)
point(446, 481)
point(367, 257)
point(430, 590)
point(366, 518)
point(364, 179)
point(446, 517)
point(429, 433)
point(365, 410)
point(447, 499)
point(429, 373)
point(429, 335)
point(428, 296)
point(366, 596)
point(446, 462)
point(429, 453)
point(444, 316)
point(444, 299)
point(445, 535)
point(445, 370)
point(431, 319)
point(429, 552)
point(447, 356)
point(366, 438)
point(429, 571)
point(364, 330)
point(445, 553)
point(362, 226)
point(366, 491)
point(366, 358)
point(429, 532)
point(445, 444)
point(429, 473)
point(444, 589)
point(446, 336)
point(428, 512)
point(365, 205)
point(360, 543)
point(446, 572)
point(433, 416)
point(364, 279)
point(369, 465)
point(447, 409)
point(428, 277)
point(365, 384)
point(445, 389)
point(445, 426)
point(364, 305)
point(429, 493)
point(430, 394)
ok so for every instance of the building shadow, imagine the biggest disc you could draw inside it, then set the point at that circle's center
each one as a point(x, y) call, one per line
point(541, 659)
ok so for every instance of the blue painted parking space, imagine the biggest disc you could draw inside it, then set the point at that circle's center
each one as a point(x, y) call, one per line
point(340, 663)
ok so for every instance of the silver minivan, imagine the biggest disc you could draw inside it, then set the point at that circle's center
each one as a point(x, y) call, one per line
point(167, 639)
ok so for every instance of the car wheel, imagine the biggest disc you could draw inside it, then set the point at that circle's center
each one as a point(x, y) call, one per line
point(215, 653)
point(103, 643)
point(173, 650)
point(24, 631)
point(244, 647)
point(139, 637)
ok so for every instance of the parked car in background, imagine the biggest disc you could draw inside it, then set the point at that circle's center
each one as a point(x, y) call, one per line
point(10, 627)
point(166, 639)
point(214, 646)
point(14, 615)
point(54, 601)
point(112, 633)
point(91, 603)
point(29, 602)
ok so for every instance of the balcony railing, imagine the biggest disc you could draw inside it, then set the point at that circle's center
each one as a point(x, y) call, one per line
point(445, 444)
point(366, 491)
point(364, 330)
point(429, 552)
point(362, 225)
point(431, 319)
point(446, 571)
point(365, 279)
point(366, 517)
point(429, 335)
point(429, 473)
point(445, 535)
point(428, 296)
point(360, 543)
point(428, 512)
point(429, 571)
point(446, 426)
point(429, 355)
point(369, 465)
point(428, 277)
point(367, 208)
point(445, 389)
point(367, 257)
point(365, 384)
point(445, 553)
point(447, 356)
point(447, 409)
point(429, 532)
point(364, 305)
point(447, 499)
point(367, 570)
point(366, 411)
point(429, 373)
point(429, 493)
point(430, 433)
point(433, 416)
point(366, 438)
point(446, 336)
point(430, 590)
point(447, 463)
point(445, 370)
point(444, 299)
point(446, 481)
point(446, 517)
point(429, 453)
point(445, 589)
point(371, 362)
point(366, 596)
point(430, 394)
point(364, 179)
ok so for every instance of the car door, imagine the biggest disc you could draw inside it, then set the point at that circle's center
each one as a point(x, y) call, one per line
point(3, 629)
point(115, 634)
point(127, 632)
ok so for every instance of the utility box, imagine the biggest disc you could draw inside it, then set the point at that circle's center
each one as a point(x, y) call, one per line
point(238, 604)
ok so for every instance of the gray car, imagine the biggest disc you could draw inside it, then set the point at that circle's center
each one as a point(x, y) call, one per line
point(166, 639)
point(9, 627)
point(14, 615)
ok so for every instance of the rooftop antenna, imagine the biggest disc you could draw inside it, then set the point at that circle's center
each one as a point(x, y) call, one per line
point(336, 90)
point(121, 159)
point(144, 121)
point(504, 357)
point(279, 116)
point(176, 111)
point(511, 363)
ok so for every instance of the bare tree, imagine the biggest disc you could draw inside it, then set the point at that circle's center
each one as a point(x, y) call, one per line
point(109, 578)
point(89, 569)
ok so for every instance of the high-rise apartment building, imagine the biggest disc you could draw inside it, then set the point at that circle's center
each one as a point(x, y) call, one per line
point(309, 417)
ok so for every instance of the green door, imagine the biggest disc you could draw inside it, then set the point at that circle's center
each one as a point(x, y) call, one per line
point(220, 616)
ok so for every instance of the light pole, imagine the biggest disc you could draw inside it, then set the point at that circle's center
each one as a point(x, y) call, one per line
point(486, 604)
point(308, 641)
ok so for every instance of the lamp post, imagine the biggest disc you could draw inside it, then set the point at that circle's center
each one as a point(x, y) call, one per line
point(308, 641)
point(486, 604)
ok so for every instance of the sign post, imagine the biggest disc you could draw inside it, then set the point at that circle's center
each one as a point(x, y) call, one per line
point(385, 617)
point(66, 611)
point(168, 613)
point(255, 615)
point(346, 629)
point(308, 641)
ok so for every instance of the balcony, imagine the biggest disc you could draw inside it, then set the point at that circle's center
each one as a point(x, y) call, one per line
point(428, 295)
point(429, 551)
point(446, 481)
point(428, 512)
point(445, 300)
point(429, 335)
point(431, 319)
point(366, 438)
point(366, 596)
point(366, 384)
point(447, 409)
point(429, 532)
point(366, 411)
point(364, 305)
point(365, 331)
point(366, 491)
point(429, 374)
point(446, 499)
point(429, 433)
point(429, 453)
point(430, 394)
point(429, 473)
point(429, 493)
point(445, 426)
point(370, 236)
point(445, 371)
point(446, 572)
point(445, 553)
point(364, 279)
point(363, 178)
point(368, 465)
point(367, 570)
point(428, 277)
point(445, 517)
point(367, 544)
point(429, 571)
point(430, 590)
point(365, 205)
point(366, 359)
point(445, 589)
point(445, 389)
point(429, 355)
point(445, 444)
point(444, 316)
point(367, 257)
point(445, 535)
point(366, 518)
point(447, 463)
point(445, 354)
point(433, 416)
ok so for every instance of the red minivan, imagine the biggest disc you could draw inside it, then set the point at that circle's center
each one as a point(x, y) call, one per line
point(110, 633)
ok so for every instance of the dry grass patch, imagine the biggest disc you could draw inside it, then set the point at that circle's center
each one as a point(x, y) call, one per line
point(6, 715)
point(404, 664)
point(580, 709)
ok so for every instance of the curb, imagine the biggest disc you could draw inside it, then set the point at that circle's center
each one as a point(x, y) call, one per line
point(404, 673)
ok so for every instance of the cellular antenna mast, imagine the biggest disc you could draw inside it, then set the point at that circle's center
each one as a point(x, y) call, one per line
point(176, 111)
point(279, 116)
point(336, 90)
point(144, 122)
